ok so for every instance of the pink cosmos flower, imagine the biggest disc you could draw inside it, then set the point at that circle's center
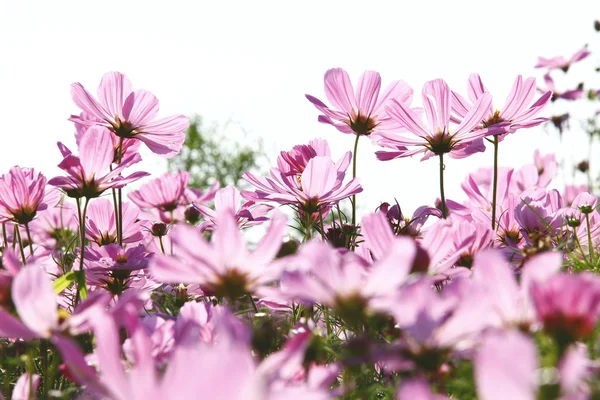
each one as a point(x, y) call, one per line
point(320, 274)
point(568, 305)
point(573, 94)
point(112, 266)
point(22, 195)
point(560, 62)
point(89, 175)
point(517, 112)
point(168, 196)
point(317, 189)
point(363, 112)
point(223, 267)
point(229, 198)
point(130, 114)
point(100, 223)
point(437, 137)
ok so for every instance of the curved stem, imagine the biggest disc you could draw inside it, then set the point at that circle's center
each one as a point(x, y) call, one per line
point(495, 183)
point(354, 176)
point(162, 247)
point(443, 198)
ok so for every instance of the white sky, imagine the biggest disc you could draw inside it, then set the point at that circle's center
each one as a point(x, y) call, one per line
point(252, 62)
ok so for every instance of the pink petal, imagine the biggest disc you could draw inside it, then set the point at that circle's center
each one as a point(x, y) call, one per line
point(497, 375)
point(338, 90)
point(35, 301)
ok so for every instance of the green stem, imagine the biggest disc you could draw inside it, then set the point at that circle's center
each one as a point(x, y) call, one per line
point(120, 227)
point(253, 303)
point(4, 235)
point(443, 198)
point(29, 239)
point(354, 176)
point(307, 226)
point(81, 281)
point(578, 243)
point(495, 183)
point(590, 245)
point(116, 207)
point(321, 223)
point(162, 247)
point(18, 234)
point(120, 198)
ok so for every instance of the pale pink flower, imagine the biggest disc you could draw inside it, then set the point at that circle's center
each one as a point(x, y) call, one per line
point(517, 113)
point(568, 305)
point(344, 282)
point(89, 175)
point(437, 137)
point(100, 223)
point(561, 62)
point(361, 112)
point(22, 195)
point(573, 94)
point(229, 198)
point(318, 188)
point(130, 114)
point(223, 267)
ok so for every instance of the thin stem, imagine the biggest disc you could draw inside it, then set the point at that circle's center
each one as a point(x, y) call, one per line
point(162, 247)
point(120, 227)
point(120, 198)
point(18, 234)
point(590, 245)
point(29, 239)
point(4, 235)
point(443, 198)
point(253, 303)
point(354, 176)
point(307, 226)
point(495, 183)
point(81, 280)
point(579, 244)
point(321, 223)
point(45, 375)
point(116, 207)
point(82, 233)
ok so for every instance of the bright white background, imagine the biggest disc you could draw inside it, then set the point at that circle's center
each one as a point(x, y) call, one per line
point(251, 62)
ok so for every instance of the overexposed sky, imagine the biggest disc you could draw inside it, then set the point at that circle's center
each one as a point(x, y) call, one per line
point(251, 62)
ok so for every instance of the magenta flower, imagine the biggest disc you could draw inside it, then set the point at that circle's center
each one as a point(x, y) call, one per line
point(294, 162)
point(517, 113)
point(437, 137)
point(89, 175)
point(100, 223)
point(560, 62)
point(130, 114)
point(363, 112)
point(22, 195)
